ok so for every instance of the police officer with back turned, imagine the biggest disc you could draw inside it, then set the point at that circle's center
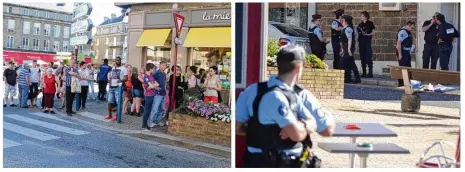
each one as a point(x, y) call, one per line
point(348, 47)
point(366, 30)
point(277, 121)
point(447, 33)
point(317, 42)
point(404, 46)
point(431, 47)
point(336, 27)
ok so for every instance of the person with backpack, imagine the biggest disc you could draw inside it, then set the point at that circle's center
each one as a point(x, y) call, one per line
point(273, 116)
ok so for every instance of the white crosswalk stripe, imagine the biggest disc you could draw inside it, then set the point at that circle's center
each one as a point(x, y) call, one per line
point(36, 132)
point(47, 125)
point(93, 116)
point(8, 143)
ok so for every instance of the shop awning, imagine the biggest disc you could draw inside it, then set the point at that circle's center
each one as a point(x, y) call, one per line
point(153, 37)
point(208, 37)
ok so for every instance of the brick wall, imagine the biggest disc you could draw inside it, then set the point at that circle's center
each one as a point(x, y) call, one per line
point(323, 83)
point(216, 132)
point(387, 24)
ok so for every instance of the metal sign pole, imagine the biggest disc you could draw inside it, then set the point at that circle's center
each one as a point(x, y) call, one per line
point(120, 104)
point(177, 18)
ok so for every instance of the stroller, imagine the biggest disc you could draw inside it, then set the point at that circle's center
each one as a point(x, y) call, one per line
point(438, 161)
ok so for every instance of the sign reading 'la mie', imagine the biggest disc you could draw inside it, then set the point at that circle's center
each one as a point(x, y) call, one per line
point(224, 16)
point(82, 10)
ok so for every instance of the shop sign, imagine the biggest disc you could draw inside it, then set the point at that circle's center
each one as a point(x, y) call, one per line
point(81, 26)
point(221, 16)
point(83, 10)
point(80, 40)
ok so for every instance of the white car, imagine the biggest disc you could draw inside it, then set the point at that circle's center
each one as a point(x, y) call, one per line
point(287, 33)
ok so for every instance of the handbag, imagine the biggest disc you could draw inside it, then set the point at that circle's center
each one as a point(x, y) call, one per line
point(75, 85)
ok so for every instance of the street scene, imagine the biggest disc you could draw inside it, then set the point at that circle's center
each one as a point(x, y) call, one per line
point(86, 86)
point(372, 118)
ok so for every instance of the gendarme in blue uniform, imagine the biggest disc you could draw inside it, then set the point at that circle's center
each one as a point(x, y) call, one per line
point(318, 47)
point(406, 44)
point(273, 109)
point(335, 38)
point(348, 61)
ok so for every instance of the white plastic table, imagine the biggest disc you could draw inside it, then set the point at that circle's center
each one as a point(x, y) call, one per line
point(366, 130)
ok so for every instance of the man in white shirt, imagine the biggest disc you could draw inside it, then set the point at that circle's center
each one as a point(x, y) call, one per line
point(35, 81)
point(117, 76)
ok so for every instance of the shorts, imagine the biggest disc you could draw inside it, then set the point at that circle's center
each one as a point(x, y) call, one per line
point(128, 92)
point(10, 90)
point(137, 93)
point(33, 90)
point(113, 95)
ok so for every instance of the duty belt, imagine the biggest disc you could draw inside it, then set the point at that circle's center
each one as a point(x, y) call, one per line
point(407, 48)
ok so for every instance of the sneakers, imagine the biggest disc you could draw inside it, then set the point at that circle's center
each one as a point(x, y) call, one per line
point(114, 118)
point(52, 112)
point(161, 124)
point(13, 105)
point(108, 117)
point(46, 111)
point(151, 125)
point(146, 128)
point(4, 105)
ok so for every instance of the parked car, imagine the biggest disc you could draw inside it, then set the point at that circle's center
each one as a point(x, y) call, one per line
point(287, 33)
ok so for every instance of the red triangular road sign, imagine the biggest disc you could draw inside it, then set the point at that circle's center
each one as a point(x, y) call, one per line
point(178, 22)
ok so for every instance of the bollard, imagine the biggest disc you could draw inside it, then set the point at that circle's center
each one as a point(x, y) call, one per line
point(120, 104)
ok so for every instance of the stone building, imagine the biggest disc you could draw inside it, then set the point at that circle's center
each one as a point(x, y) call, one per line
point(387, 22)
point(35, 29)
point(110, 38)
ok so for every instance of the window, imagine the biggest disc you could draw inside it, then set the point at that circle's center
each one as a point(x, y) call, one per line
point(97, 42)
point(11, 25)
point(25, 43)
point(114, 53)
point(106, 41)
point(46, 14)
point(66, 32)
point(65, 46)
point(46, 45)
point(36, 29)
point(27, 27)
point(114, 41)
point(96, 54)
point(106, 53)
point(114, 29)
point(125, 28)
point(65, 17)
point(36, 13)
point(47, 29)
point(56, 16)
point(10, 9)
point(10, 42)
point(35, 44)
point(56, 46)
point(26, 12)
point(57, 31)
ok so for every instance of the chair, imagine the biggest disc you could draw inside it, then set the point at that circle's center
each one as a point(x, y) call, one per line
point(442, 161)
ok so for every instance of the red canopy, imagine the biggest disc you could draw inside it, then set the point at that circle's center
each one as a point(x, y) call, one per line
point(20, 57)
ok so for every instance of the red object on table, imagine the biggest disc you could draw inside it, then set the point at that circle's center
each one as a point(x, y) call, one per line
point(352, 127)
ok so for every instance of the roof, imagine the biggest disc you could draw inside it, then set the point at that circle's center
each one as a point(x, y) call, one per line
point(114, 20)
point(45, 6)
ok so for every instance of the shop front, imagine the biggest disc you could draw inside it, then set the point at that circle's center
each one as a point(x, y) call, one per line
point(27, 57)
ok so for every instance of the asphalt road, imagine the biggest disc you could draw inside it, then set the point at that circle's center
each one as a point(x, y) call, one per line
point(34, 140)
point(387, 94)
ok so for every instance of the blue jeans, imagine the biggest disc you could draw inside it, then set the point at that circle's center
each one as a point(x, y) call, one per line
point(78, 101)
point(444, 55)
point(113, 97)
point(24, 93)
point(156, 114)
point(147, 107)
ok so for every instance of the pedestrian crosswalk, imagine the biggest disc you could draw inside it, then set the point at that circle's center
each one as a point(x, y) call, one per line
point(36, 127)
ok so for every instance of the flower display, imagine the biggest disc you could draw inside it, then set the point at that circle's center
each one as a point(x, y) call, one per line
point(209, 111)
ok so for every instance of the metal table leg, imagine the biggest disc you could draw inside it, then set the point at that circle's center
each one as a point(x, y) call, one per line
point(363, 160)
point(352, 156)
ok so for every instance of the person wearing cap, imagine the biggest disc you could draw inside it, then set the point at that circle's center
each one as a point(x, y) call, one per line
point(447, 34)
point(348, 46)
point(366, 30)
point(336, 28)
point(404, 45)
point(317, 42)
point(23, 85)
point(431, 48)
point(9, 77)
point(277, 115)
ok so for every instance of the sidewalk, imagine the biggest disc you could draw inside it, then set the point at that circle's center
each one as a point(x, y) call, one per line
point(380, 80)
point(131, 125)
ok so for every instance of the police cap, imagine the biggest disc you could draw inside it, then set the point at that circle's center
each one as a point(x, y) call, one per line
point(339, 12)
point(316, 16)
point(347, 17)
point(290, 53)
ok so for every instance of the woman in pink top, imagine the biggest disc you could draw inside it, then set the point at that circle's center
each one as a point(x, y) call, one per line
point(192, 81)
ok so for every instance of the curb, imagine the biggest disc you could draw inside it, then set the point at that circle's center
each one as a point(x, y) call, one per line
point(376, 82)
point(166, 139)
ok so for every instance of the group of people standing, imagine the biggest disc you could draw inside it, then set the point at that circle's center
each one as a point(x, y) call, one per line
point(343, 36)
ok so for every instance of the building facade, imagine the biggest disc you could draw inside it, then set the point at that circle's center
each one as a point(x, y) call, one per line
point(155, 21)
point(387, 17)
point(34, 29)
point(110, 38)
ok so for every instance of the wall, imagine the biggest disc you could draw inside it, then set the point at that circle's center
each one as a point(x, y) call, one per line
point(217, 132)
point(387, 25)
point(324, 84)
point(164, 6)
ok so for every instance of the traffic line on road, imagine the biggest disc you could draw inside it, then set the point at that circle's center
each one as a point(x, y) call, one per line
point(44, 115)
point(8, 143)
point(47, 125)
point(28, 132)
point(93, 116)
